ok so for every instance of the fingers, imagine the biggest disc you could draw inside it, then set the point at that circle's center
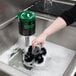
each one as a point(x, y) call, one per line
point(34, 43)
point(42, 44)
point(37, 42)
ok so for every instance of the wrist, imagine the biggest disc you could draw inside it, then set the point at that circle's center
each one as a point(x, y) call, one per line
point(44, 34)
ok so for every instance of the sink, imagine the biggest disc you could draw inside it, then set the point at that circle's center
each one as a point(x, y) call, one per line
point(59, 52)
point(71, 70)
point(57, 59)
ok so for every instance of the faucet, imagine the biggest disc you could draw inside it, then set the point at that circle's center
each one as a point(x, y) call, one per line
point(47, 4)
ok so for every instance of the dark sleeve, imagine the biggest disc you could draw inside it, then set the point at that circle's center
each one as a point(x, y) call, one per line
point(70, 15)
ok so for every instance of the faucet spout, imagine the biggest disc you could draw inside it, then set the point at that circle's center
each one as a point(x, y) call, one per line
point(47, 4)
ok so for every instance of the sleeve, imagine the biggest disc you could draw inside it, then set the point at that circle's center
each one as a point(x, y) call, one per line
point(70, 15)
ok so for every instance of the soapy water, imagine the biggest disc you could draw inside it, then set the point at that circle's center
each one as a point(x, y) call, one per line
point(56, 60)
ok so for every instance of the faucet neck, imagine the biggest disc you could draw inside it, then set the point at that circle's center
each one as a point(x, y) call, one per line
point(47, 4)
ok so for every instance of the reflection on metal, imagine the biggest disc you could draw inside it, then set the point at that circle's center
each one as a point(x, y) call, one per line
point(8, 35)
point(71, 70)
point(7, 11)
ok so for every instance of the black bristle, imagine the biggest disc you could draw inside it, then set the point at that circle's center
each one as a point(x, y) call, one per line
point(43, 50)
point(30, 49)
point(27, 67)
point(39, 59)
point(28, 57)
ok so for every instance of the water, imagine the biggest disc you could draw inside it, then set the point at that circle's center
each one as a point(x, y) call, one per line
point(55, 64)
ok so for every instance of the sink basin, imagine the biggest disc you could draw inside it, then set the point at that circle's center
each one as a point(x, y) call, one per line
point(58, 57)
point(56, 61)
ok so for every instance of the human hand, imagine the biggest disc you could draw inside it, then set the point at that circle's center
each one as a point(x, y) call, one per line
point(39, 40)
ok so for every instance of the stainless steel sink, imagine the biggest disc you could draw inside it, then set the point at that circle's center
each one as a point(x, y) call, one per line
point(8, 35)
point(65, 38)
point(11, 65)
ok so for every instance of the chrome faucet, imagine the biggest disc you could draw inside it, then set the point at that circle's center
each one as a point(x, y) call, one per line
point(47, 4)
